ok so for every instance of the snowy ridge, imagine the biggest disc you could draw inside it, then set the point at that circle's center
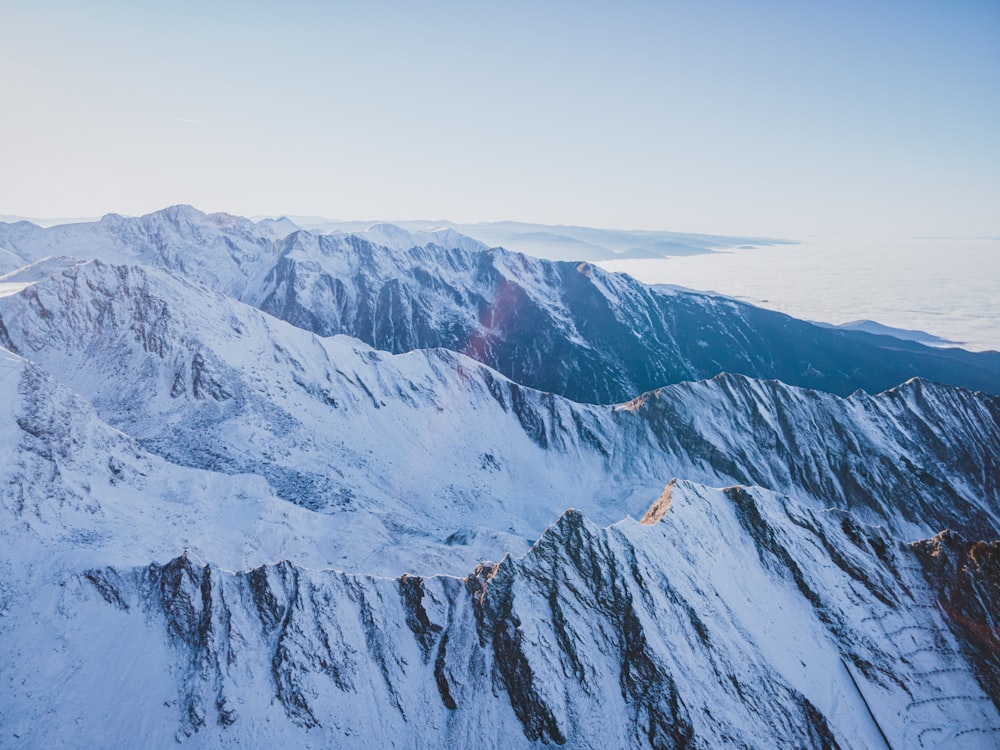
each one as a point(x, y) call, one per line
point(399, 239)
point(76, 491)
point(216, 249)
point(567, 242)
point(921, 441)
point(565, 327)
point(384, 441)
point(700, 630)
point(572, 328)
point(219, 528)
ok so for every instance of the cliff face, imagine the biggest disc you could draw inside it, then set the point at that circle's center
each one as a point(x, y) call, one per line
point(965, 576)
point(433, 446)
point(572, 328)
point(564, 327)
point(739, 617)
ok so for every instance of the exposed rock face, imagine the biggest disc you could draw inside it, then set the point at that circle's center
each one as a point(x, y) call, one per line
point(564, 327)
point(741, 618)
point(574, 329)
point(966, 577)
point(147, 414)
point(208, 382)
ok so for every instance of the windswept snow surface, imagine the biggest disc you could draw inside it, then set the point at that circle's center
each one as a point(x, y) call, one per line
point(220, 528)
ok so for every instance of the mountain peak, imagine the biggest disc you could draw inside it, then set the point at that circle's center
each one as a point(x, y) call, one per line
point(180, 213)
point(398, 239)
point(193, 384)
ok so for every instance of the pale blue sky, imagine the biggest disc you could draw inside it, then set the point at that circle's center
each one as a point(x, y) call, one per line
point(781, 118)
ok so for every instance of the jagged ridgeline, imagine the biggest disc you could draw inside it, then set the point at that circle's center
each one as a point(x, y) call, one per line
point(568, 328)
point(223, 522)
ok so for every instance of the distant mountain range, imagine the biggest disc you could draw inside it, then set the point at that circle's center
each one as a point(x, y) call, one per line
point(552, 242)
point(262, 485)
point(569, 328)
point(560, 242)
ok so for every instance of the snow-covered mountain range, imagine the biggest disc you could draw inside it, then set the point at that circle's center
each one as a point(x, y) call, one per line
point(252, 478)
point(560, 242)
point(569, 328)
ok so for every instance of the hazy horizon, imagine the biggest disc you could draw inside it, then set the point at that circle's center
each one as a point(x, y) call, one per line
point(872, 120)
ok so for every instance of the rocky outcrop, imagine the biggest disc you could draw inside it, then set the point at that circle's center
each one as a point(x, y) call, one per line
point(966, 577)
point(208, 382)
point(625, 636)
point(563, 327)
point(147, 414)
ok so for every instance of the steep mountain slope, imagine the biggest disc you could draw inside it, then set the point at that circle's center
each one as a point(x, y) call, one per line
point(574, 329)
point(568, 328)
point(9, 261)
point(433, 445)
point(966, 578)
point(76, 492)
point(219, 250)
point(149, 415)
point(737, 618)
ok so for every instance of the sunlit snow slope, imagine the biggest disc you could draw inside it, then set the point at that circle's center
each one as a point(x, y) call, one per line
point(220, 525)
